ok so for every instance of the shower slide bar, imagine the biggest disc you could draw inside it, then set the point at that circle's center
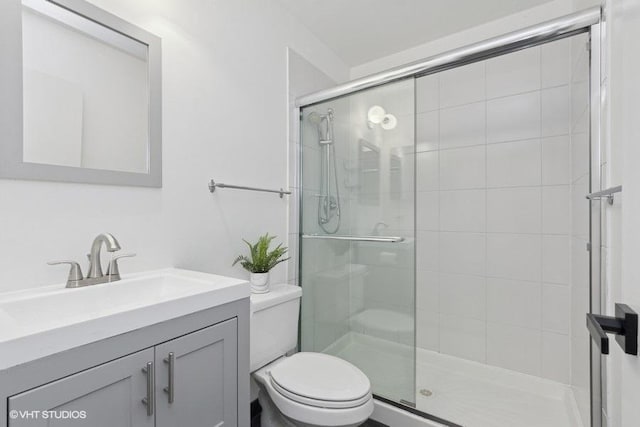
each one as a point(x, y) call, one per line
point(605, 194)
point(379, 239)
point(213, 185)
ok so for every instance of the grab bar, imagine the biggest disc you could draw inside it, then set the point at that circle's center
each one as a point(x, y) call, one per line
point(379, 239)
point(605, 194)
point(213, 185)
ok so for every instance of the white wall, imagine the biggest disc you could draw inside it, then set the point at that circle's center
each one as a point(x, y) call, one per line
point(622, 231)
point(224, 117)
point(517, 21)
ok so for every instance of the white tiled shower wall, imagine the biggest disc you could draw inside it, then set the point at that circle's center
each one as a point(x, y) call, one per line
point(494, 162)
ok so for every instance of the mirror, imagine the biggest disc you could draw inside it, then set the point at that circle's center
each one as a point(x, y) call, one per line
point(90, 97)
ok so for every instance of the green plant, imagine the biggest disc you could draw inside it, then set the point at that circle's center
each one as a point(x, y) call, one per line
point(261, 260)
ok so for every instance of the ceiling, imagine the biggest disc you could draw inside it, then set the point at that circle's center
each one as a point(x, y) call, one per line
point(359, 31)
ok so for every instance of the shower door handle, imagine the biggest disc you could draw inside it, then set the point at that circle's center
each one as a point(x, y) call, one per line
point(624, 325)
point(378, 239)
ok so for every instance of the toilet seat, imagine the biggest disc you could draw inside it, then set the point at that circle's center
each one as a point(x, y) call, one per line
point(320, 380)
point(332, 404)
point(318, 389)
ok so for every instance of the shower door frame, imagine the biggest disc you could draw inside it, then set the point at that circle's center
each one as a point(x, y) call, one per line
point(587, 21)
point(597, 375)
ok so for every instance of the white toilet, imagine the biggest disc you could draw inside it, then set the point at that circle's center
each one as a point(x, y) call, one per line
point(305, 389)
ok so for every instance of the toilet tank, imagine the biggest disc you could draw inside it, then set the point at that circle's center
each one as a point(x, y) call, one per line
point(274, 324)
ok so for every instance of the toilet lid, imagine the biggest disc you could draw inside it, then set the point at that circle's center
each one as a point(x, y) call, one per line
point(320, 377)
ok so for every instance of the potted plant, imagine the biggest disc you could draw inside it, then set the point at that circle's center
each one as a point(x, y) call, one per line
point(260, 261)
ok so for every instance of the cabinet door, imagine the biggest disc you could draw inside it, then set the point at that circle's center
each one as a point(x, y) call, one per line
point(110, 395)
point(205, 378)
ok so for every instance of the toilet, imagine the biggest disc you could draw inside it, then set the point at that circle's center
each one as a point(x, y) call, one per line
point(304, 389)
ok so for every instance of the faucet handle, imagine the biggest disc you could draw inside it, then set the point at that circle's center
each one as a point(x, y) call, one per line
point(113, 271)
point(75, 273)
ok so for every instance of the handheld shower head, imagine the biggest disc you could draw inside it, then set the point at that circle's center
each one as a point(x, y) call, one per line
point(324, 123)
point(314, 118)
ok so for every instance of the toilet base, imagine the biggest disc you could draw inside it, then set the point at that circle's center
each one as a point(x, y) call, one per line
point(271, 416)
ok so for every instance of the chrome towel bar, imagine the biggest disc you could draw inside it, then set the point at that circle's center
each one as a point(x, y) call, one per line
point(213, 185)
point(605, 194)
point(379, 239)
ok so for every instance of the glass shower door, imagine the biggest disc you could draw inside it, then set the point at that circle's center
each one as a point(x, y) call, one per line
point(357, 244)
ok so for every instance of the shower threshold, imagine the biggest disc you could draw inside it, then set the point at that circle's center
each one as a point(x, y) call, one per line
point(463, 392)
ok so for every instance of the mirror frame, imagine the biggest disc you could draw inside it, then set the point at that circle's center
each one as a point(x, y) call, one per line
point(11, 102)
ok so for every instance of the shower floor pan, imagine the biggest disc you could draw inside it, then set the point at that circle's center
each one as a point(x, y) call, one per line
point(464, 392)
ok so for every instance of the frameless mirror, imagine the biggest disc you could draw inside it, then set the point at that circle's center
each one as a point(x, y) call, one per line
point(90, 97)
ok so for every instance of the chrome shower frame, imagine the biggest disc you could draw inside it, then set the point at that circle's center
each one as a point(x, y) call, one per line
point(586, 21)
point(562, 27)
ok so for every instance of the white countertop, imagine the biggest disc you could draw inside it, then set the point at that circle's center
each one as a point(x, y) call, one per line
point(39, 322)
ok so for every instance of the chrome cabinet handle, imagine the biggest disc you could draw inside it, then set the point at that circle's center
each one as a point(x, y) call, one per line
point(149, 400)
point(170, 389)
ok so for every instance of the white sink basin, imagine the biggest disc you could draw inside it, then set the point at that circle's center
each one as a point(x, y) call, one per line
point(44, 321)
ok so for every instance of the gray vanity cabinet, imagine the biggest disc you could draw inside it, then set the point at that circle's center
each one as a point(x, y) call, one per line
point(193, 382)
point(110, 394)
point(193, 369)
point(196, 378)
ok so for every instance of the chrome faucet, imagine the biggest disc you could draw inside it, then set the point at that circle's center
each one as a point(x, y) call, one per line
point(95, 267)
point(95, 275)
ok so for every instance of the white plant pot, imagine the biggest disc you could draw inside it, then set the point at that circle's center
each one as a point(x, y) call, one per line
point(259, 283)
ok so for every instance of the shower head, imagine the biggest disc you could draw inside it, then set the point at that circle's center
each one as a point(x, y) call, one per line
point(317, 118)
point(324, 124)
point(314, 118)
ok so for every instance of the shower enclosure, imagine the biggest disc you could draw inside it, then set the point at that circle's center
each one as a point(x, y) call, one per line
point(443, 229)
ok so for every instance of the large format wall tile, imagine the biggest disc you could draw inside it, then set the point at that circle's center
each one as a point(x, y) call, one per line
point(462, 168)
point(514, 164)
point(514, 256)
point(463, 210)
point(515, 73)
point(462, 253)
point(463, 126)
point(514, 117)
point(462, 85)
point(514, 210)
point(502, 166)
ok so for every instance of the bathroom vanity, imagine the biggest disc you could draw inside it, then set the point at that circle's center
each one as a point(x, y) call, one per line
point(162, 348)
